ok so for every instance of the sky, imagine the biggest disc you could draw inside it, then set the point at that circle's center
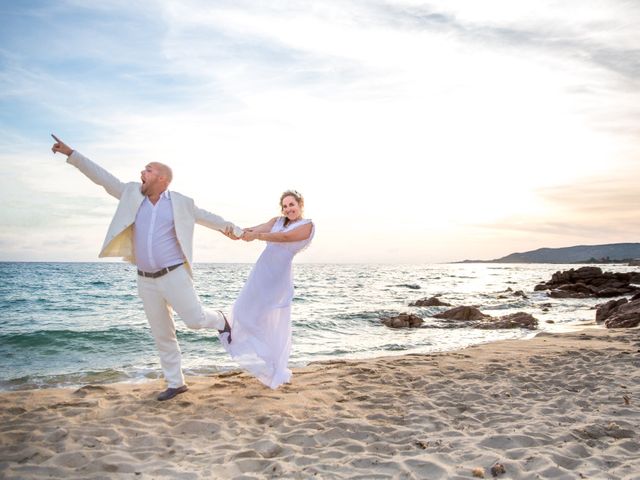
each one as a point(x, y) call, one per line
point(418, 132)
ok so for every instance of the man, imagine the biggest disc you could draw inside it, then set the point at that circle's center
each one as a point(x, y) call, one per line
point(153, 228)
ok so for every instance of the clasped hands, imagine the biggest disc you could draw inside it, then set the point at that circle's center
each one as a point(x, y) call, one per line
point(248, 235)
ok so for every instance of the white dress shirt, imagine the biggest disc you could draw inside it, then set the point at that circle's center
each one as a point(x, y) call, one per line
point(155, 241)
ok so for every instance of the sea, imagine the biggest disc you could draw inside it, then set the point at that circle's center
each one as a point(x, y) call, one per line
point(71, 324)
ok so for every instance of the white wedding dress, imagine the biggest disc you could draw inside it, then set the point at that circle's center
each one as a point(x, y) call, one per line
point(260, 318)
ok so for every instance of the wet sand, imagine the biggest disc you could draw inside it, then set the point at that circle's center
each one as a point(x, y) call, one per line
point(559, 406)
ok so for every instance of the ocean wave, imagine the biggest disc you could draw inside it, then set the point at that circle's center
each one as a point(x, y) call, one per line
point(52, 338)
point(31, 382)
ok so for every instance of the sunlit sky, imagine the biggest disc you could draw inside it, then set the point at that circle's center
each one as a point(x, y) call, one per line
point(417, 131)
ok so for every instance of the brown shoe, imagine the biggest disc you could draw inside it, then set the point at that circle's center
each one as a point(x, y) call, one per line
point(227, 327)
point(169, 393)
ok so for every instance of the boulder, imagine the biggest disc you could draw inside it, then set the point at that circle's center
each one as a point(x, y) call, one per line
point(517, 293)
point(429, 302)
point(404, 320)
point(567, 294)
point(612, 292)
point(628, 320)
point(462, 313)
point(604, 310)
point(625, 315)
point(590, 282)
point(514, 320)
point(474, 318)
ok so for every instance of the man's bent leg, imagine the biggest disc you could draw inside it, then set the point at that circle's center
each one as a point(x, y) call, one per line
point(163, 329)
point(177, 288)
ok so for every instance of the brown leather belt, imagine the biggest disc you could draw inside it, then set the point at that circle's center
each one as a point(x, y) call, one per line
point(159, 273)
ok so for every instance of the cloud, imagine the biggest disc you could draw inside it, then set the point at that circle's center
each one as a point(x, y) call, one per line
point(433, 116)
point(551, 30)
point(603, 200)
point(606, 208)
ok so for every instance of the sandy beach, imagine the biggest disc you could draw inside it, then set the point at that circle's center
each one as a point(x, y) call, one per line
point(555, 406)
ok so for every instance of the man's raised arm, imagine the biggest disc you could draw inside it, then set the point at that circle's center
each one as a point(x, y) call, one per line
point(93, 171)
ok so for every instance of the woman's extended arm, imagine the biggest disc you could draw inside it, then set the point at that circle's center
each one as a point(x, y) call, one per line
point(264, 227)
point(297, 234)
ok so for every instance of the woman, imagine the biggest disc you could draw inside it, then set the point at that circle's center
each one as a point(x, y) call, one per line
point(260, 337)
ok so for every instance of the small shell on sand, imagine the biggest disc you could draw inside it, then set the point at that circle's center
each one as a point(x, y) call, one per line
point(498, 469)
point(478, 472)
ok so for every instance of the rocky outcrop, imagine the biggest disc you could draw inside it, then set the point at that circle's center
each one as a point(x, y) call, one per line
point(517, 293)
point(514, 320)
point(590, 282)
point(462, 313)
point(404, 320)
point(472, 317)
point(429, 302)
point(605, 310)
point(619, 313)
point(466, 316)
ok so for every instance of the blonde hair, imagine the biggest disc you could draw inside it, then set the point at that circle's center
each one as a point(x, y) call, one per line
point(295, 194)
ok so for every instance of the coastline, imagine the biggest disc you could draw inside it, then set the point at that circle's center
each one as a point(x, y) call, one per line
point(552, 406)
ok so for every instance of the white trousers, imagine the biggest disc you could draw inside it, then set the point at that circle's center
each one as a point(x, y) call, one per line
point(159, 295)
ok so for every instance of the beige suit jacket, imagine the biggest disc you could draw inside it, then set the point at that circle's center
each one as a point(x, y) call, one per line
point(119, 239)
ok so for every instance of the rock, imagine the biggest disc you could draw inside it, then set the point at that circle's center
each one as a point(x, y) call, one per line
point(412, 286)
point(604, 310)
point(462, 313)
point(517, 293)
point(590, 282)
point(429, 302)
point(420, 444)
point(626, 315)
point(634, 263)
point(619, 313)
point(498, 469)
point(567, 294)
point(578, 287)
point(404, 320)
point(514, 320)
point(474, 318)
point(612, 292)
point(629, 320)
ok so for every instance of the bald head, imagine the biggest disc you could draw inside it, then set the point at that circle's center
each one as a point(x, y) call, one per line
point(156, 178)
point(163, 171)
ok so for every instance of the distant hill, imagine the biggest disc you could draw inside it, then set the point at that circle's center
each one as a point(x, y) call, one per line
point(613, 252)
